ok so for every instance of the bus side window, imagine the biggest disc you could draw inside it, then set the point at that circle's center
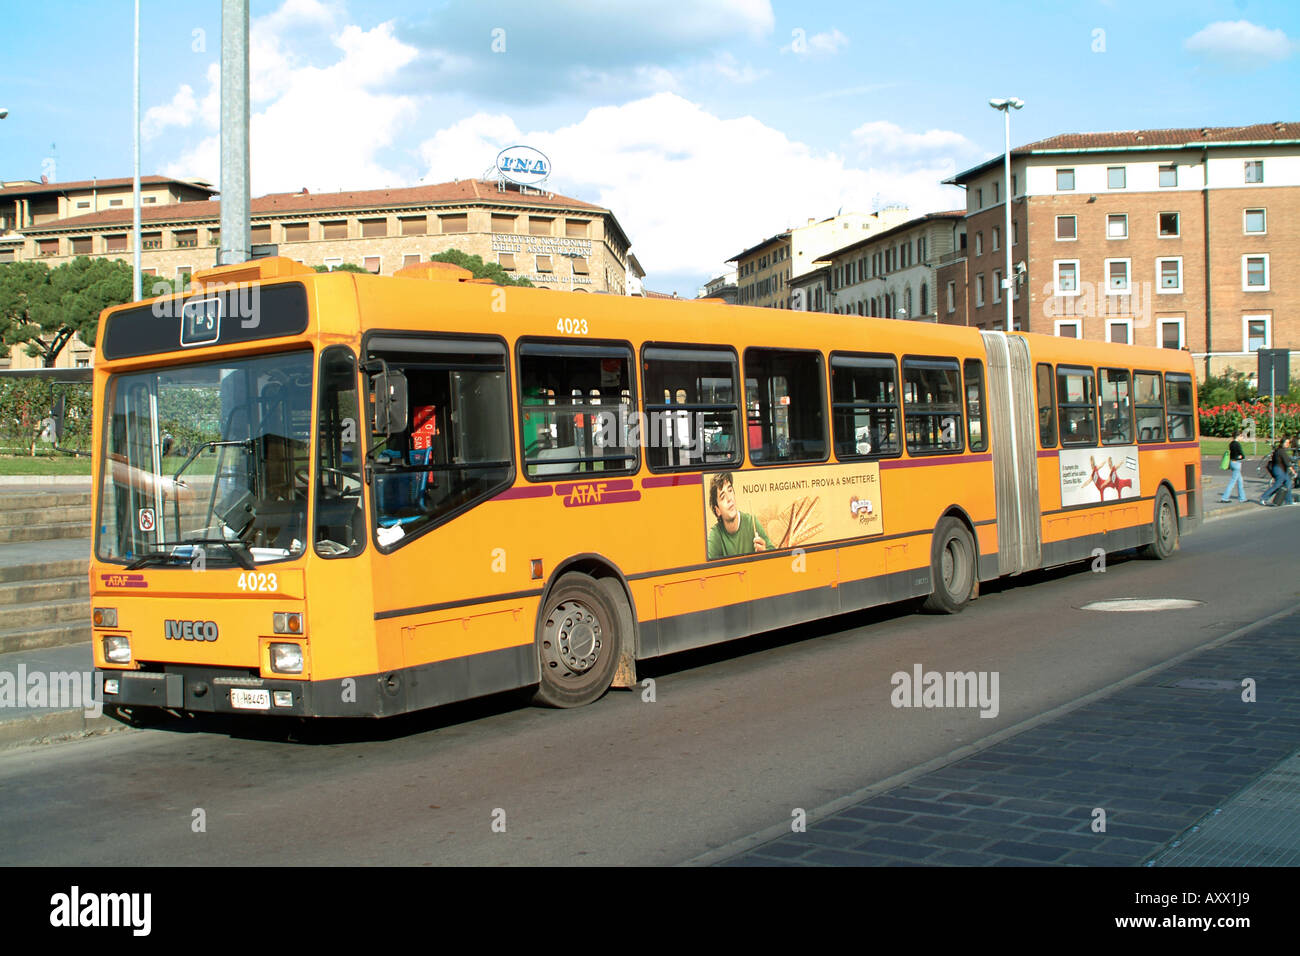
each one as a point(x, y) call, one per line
point(864, 406)
point(1076, 397)
point(1046, 407)
point(932, 406)
point(1116, 407)
point(692, 413)
point(575, 405)
point(785, 395)
point(1182, 410)
point(975, 404)
point(340, 527)
point(1149, 402)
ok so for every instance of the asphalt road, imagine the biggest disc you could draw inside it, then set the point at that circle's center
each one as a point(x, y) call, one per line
point(735, 740)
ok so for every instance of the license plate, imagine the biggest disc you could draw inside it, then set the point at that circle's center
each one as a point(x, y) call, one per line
point(246, 699)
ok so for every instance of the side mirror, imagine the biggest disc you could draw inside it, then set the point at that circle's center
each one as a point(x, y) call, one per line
point(388, 402)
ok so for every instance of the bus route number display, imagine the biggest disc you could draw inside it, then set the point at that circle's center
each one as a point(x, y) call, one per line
point(200, 321)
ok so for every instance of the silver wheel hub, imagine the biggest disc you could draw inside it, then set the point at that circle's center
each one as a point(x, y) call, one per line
point(576, 636)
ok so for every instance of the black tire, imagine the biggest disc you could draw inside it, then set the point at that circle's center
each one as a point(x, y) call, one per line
point(578, 643)
point(1164, 524)
point(952, 568)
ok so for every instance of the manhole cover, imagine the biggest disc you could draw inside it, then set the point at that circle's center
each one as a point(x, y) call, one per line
point(1141, 604)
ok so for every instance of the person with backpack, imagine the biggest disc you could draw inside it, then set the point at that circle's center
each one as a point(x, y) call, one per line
point(1235, 457)
point(1282, 474)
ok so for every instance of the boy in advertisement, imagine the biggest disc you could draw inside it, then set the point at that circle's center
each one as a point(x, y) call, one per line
point(735, 532)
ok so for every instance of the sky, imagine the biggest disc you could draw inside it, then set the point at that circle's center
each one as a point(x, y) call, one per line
point(704, 125)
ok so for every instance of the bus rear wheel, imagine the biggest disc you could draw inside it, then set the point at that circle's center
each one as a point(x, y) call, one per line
point(952, 568)
point(1165, 527)
point(578, 643)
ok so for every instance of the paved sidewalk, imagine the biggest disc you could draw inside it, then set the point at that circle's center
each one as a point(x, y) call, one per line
point(1177, 749)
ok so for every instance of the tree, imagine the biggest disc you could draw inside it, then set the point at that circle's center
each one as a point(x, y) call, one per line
point(44, 308)
point(345, 267)
point(480, 269)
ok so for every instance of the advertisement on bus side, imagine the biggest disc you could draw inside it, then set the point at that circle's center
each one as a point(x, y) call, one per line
point(748, 512)
point(1090, 476)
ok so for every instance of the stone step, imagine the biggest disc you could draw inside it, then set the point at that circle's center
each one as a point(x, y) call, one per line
point(45, 532)
point(44, 614)
point(43, 515)
point(45, 570)
point(55, 635)
point(44, 590)
point(10, 498)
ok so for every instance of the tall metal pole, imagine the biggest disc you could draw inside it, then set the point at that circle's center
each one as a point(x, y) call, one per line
point(137, 282)
point(235, 235)
point(1008, 285)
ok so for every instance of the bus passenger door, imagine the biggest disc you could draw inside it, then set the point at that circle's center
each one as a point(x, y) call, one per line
point(1013, 427)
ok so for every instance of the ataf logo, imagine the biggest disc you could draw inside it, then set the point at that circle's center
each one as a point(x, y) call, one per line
point(598, 492)
point(124, 580)
point(189, 630)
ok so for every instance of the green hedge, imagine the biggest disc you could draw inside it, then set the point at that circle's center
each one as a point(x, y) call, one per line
point(26, 408)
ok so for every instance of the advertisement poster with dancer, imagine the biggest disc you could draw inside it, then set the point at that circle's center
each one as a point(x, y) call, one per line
point(1091, 476)
point(749, 512)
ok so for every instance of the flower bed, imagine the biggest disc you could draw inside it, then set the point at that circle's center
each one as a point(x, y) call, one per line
point(1223, 421)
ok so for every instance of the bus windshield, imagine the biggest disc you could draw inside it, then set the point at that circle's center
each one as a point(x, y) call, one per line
point(207, 462)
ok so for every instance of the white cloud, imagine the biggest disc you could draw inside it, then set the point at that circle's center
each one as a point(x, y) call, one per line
point(181, 111)
point(884, 141)
point(682, 181)
point(321, 127)
point(1240, 44)
point(819, 44)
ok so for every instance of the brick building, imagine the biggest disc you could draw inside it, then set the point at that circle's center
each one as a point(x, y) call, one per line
point(1182, 238)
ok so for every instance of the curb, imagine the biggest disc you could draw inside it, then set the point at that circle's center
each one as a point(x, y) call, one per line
point(1231, 510)
point(21, 480)
point(54, 726)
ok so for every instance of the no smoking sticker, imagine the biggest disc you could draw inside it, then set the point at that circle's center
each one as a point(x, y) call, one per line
point(146, 519)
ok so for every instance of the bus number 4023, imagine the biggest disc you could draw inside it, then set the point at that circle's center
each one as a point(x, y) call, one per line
point(254, 581)
point(571, 326)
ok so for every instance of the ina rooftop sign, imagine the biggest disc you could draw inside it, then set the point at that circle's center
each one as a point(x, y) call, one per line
point(523, 165)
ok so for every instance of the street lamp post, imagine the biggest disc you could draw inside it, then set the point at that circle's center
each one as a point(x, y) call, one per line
point(1008, 281)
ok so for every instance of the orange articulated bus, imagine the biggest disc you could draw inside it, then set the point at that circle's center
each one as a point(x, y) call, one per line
point(348, 495)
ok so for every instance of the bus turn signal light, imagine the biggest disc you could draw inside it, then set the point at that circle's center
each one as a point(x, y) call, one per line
point(104, 617)
point(287, 622)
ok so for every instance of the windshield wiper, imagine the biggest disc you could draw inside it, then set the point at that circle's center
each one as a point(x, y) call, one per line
point(150, 557)
point(242, 558)
point(246, 442)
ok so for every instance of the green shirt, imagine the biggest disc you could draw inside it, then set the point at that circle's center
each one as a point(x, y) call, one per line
point(724, 545)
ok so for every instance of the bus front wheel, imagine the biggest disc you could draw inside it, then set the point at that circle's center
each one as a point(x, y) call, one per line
point(952, 568)
point(578, 643)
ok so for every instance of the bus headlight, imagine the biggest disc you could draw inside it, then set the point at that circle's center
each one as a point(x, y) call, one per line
point(117, 649)
point(286, 658)
point(286, 622)
point(104, 617)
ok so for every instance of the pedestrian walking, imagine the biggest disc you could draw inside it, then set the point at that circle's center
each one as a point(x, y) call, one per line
point(1235, 457)
point(1282, 474)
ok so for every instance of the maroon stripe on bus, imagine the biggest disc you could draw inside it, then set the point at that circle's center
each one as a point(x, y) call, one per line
point(935, 460)
point(1050, 452)
point(610, 484)
point(1140, 447)
point(669, 481)
point(525, 491)
point(605, 498)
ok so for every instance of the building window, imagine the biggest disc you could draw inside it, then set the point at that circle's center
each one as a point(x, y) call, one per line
point(50, 247)
point(1015, 233)
point(1256, 223)
point(544, 264)
point(83, 205)
point(374, 228)
point(214, 237)
point(455, 223)
point(184, 272)
point(979, 290)
point(1169, 225)
point(577, 228)
point(1064, 180)
point(1169, 275)
point(1120, 331)
point(414, 225)
point(335, 229)
point(997, 238)
point(261, 234)
point(952, 297)
point(111, 243)
point(979, 198)
point(1117, 282)
point(580, 266)
point(1069, 328)
point(371, 264)
point(1254, 273)
point(997, 285)
point(410, 259)
point(333, 262)
point(1115, 177)
point(996, 187)
point(1171, 333)
point(1256, 332)
point(503, 224)
point(148, 199)
point(506, 260)
point(1117, 226)
point(1254, 170)
point(925, 299)
point(1067, 227)
point(979, 243)
point(1067, 276)
point(1169, 175)
point(541, 226)
point(118, 202)
point(81, 245)
point(295, 232)
point(185, 238)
